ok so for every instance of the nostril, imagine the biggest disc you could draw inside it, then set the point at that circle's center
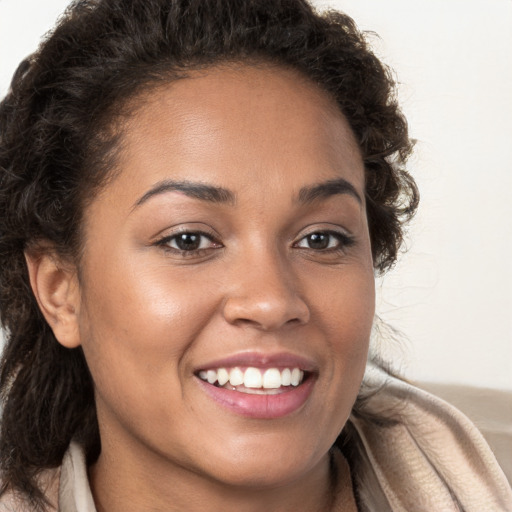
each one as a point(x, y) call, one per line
point(293, 321)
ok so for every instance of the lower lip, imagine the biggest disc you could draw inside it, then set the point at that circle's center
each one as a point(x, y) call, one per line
point(261, 406)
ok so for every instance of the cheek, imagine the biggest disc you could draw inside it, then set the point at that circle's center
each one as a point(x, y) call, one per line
point(136, 329)
point(347, 310)
point(347, 306)
point(134, 300)
point(136, 333)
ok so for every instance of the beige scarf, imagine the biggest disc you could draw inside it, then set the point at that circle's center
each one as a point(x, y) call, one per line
point(432, 459)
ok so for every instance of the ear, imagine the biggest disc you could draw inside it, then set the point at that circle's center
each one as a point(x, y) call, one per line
point(55, 286)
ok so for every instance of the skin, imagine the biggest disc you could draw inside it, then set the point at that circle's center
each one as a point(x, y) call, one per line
point(147, 315)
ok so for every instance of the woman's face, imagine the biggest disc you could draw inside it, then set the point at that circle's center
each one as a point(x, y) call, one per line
point(232, 244)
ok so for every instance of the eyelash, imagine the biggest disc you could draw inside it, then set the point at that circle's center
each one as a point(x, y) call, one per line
point(344, 241)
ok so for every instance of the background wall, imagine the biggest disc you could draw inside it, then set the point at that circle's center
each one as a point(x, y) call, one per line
point(451, 294)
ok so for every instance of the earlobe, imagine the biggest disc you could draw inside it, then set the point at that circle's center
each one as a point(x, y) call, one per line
point(55, 286)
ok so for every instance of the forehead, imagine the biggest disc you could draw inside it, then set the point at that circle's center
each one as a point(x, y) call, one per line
point(244, 128)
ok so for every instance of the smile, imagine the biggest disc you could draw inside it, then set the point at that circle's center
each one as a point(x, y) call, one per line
point(253, 380)
point(259, 386)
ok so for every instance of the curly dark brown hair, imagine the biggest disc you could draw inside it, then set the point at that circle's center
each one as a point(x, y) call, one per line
point(58, 139)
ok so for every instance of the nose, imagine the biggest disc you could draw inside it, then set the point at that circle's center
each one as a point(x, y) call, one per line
point(264, 295)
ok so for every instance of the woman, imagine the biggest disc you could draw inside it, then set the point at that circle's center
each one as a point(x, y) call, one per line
point(195, 196)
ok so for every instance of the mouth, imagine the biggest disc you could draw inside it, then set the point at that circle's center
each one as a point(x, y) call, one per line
point(253, 380)
point(256, 386)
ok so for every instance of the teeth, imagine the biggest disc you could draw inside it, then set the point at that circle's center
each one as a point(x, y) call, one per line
point(272, 379)
point(236, 377)
point(211, 376)
point(222, 376)
point(253, 378)
point(286, 377)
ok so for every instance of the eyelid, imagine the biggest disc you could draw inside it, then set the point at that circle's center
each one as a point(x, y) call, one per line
point(188, 227)
point(335, 229)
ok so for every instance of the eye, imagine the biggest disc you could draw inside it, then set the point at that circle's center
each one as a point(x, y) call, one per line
point(325, 240)
point(189, 242)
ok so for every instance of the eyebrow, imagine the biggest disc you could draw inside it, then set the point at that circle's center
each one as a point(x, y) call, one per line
point(215, 194)
point(192, 189)
point(327, 189)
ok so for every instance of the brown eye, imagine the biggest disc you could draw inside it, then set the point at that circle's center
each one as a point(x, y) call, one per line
point(318, 240)
point(325, 240)
point(188, 241)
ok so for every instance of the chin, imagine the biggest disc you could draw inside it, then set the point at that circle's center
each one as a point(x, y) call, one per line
point(258, 464)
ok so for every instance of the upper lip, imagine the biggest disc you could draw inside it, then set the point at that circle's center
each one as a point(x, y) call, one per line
point(263, 361)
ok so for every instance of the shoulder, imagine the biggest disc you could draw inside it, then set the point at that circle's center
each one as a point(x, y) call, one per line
point(429, 456)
